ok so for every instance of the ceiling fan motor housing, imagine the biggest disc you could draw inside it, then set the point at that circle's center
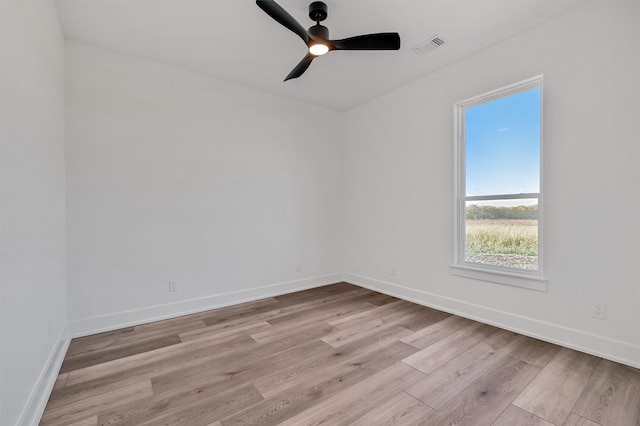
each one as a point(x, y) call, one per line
point(318, 11)
point(319, 31)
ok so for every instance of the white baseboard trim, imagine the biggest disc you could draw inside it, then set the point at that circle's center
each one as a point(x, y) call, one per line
point(109, 322)
point(614, 350)
point(33, 409)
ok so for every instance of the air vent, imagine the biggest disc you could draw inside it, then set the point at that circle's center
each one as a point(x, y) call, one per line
point(437, 41)
point(433, 43)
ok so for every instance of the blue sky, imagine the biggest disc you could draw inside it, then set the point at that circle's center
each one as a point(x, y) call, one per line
point(503, 145)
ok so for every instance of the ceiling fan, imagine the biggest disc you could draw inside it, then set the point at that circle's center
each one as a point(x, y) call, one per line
point(317, 37)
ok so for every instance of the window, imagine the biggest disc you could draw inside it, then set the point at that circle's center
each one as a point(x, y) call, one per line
point(498, 210)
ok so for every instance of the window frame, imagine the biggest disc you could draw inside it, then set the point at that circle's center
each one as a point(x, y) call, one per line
point(532, 279)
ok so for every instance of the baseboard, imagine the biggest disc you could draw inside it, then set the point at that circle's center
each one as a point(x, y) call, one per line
point(601, 346)
point(39, 397)
point(99, 324)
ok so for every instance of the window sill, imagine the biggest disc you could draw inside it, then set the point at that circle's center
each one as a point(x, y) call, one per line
point(513, 279)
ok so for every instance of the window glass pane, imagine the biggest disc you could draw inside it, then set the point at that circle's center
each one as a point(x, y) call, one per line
point(502, 233)
point(502, 144)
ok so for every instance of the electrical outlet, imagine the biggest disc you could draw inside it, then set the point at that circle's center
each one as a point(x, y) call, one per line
point(600, 311)
point(393, 272)
point(298, 267)
point(172, 286)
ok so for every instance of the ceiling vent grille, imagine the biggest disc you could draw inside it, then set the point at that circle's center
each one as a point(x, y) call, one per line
point(433, 43)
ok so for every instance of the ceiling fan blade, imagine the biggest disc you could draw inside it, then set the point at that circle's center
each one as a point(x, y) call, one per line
point(379, 41)
point(301, 67)
point(276, 11)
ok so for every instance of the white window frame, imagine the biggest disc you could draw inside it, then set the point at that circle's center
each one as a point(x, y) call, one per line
point(531, 279)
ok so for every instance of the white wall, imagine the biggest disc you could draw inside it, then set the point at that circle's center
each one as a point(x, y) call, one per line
point(32, 206)
point(175, 176)
point(399, 183)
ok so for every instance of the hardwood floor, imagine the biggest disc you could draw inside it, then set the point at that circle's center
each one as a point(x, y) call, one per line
point(335, 355)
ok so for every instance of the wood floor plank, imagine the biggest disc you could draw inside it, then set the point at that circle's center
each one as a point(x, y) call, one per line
point(438, 331)
point(421, 318)
point(338, 355)
point(355, 329)
point(331, 308)
point(222, 330)
point(353, 402)
point(228, 371)
point(315, 294)
point(135, 371)
point(438, 354)
point(446, 382)
point(576, 420)
point(612, 396)
point(309, 300)
point(91, 421)
point(82, 409)
point(170, 326)
point(197, 405)
point(151, 362)
point(277, 381)
point(281, 332)
point(536, 352)
point(124, 344)
point(99, 340)
point(378, 299)
point(552, 395)
point(340, 337)
point(205, 410)
point(234, 312)
point(400, 312)
point(132, 335)
point(320, 386)
point(387, 313)
point(76, 362)
point(275, 314)
point(400, 410)
point(61, 381)
point(325, 313)
point(482, 402)
point(514, 416)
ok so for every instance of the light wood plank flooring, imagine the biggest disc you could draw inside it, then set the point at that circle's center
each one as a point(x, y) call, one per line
point(335, 355)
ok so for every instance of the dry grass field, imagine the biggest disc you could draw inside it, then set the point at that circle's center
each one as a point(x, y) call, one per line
point(504, 242)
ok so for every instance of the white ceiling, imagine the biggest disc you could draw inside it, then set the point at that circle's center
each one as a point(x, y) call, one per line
point(235, 41)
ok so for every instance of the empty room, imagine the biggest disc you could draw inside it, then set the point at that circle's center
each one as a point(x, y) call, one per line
point(241, 212)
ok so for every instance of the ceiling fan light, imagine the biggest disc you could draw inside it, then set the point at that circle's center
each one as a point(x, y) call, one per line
point(318, 49)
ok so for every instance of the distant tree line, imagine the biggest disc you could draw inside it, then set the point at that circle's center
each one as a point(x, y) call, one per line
point(493, 212)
